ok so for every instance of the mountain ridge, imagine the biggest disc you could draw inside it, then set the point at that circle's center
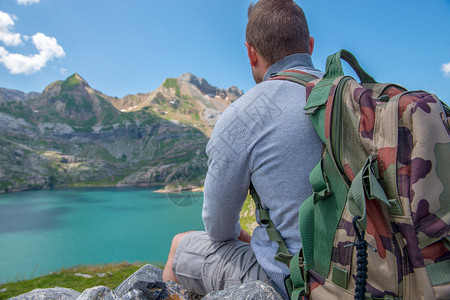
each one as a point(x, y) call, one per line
point(74, 135)
point(14, 95)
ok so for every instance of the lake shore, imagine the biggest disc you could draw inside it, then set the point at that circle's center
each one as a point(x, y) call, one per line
point(171, 190)
point(168, 189)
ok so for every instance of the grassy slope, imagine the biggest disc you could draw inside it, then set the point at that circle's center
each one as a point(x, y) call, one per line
point(114, 274)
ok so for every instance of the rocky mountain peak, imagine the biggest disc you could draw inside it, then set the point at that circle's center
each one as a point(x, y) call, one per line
point(206, 88)
point(200, 83)
point(188, 77)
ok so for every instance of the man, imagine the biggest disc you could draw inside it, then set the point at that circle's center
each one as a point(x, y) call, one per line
point(264, 138)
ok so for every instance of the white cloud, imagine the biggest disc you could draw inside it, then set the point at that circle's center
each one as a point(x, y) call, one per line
point(16, 63)
point(48, 50)
point(8, 37)
point(446, 69)
point(26, 2)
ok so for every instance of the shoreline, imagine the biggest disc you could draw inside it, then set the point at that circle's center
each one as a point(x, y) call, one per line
point(162, 189)
point(168, 190)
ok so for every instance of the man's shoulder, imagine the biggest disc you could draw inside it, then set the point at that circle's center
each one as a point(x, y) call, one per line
point(267, 88)
point(274, 88)
point(240, 117)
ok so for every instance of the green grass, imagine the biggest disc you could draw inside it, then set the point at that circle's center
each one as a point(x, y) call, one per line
point(247, 220)
point(172, 83)
point(70, 83)
point(115, 274)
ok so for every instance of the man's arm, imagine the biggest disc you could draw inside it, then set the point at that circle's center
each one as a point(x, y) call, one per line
point(227, 180)
point(245, 236)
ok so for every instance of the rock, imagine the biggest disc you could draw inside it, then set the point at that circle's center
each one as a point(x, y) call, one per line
point(56, 293)
point(83, 275)
point(208, 89)
point(176, 291)
point(253, 290)
point(99, 293)
point(147, 284)
point(55, 128)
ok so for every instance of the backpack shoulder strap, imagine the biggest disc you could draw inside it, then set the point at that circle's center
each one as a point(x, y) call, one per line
point(296, 76)
point(283, 255)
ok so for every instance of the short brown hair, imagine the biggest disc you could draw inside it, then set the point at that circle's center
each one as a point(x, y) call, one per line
point(277, 28)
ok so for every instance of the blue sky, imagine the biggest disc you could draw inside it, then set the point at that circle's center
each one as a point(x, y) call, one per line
point(129, 46)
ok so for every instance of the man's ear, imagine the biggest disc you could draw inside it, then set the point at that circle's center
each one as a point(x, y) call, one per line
point(252, 55)
point(311, 45)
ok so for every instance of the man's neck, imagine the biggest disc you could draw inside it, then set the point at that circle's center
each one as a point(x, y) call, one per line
point(288, 62)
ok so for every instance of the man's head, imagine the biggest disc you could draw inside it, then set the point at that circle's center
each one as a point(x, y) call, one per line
point(275, 29)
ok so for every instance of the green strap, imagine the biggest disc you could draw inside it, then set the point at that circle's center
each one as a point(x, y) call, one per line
point(299, 287)
point(306, 223)
point(315, 106)
point(283, 255)
point(294, 76)
point(365, 184)
point(320, 185)
point(318, 97)
point(317, 236)
point(395, 208)
point(334, 67)
point(439, 273)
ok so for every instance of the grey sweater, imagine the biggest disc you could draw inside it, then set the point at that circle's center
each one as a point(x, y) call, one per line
point(264, 137)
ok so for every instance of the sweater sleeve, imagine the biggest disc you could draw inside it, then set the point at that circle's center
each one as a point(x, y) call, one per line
point(227, 179)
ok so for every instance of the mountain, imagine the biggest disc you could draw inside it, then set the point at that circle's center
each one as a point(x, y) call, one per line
point(75, 103)
point(73, 135)
point(187, 99)
point(13, 95)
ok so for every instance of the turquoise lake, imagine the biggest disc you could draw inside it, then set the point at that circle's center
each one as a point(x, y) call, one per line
point(44, 231)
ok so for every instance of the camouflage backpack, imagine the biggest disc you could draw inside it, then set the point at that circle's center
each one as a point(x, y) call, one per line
point(383, 182)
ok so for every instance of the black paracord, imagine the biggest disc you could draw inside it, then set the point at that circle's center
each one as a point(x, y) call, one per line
point(361, 262)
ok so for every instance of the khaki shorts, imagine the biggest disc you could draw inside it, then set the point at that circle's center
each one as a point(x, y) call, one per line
point(202, 265)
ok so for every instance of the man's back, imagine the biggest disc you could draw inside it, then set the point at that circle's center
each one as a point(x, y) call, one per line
point(264, 137)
